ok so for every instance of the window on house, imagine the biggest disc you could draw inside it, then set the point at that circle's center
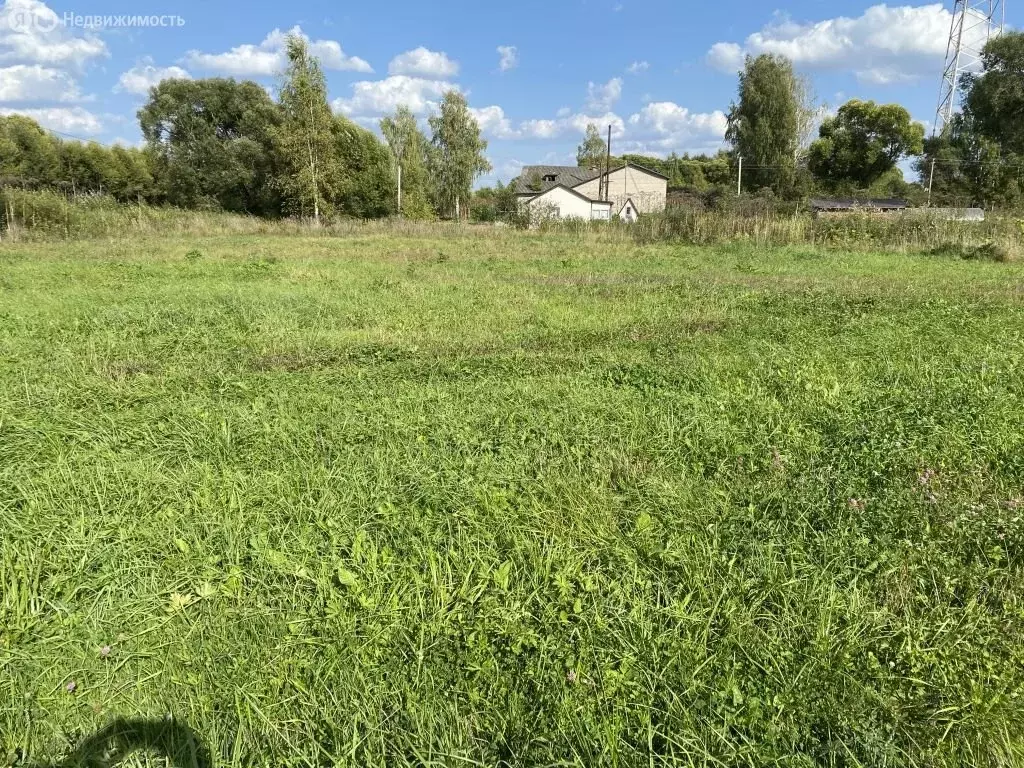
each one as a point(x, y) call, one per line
point(550, 177)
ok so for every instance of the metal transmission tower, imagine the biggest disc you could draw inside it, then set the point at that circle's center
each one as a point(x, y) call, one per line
point(975, 22)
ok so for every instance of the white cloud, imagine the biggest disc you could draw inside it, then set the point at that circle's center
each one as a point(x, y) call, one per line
point(563, 112)
point(509, 57)
point(143, 76)
point(571, 124)
point(31, 33)
point(71, 120)
point(727, 57)
point(637, 67)
point(603, 97)
point(269, 57)
point(493, 122)
point(380, 97)
point(664, 126)
point(32, 82)
point(885, 44)
point(422, 62)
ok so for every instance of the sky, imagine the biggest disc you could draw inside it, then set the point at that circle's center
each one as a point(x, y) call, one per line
point(662, 73)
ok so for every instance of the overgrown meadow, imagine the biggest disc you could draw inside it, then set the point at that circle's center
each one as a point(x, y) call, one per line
point(517, 499)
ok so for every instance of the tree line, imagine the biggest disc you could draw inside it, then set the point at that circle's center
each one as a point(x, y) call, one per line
point(222, 144)
point(228, 145)
point(793, 148)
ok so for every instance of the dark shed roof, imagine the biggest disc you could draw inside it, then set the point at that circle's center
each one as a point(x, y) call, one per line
point(850, 203)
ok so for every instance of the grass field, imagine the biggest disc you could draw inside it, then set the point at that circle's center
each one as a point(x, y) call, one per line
point(518, 499)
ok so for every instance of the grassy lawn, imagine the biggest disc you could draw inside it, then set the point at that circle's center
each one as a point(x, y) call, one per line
point(527, 500)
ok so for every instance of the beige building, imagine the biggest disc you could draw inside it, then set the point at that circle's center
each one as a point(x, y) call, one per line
point(631, 190)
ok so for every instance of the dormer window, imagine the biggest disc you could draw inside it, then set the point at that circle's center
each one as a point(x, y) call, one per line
point(550, 177)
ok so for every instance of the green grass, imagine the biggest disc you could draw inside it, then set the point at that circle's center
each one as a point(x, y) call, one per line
point(517, 499)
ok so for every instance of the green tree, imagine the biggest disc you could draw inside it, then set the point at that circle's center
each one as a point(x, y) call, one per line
point(764, 124)
point(966, 168)
point(305, 138)
point(593, 152)
point(364, 186)
point(457, 154)
point(211, 144)
point(994, 100)
point(862, 143)
point(29, 156)
point(409, 149)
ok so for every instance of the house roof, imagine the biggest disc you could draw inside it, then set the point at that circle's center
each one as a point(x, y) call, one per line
point(567, 175)
point(572, 191)
point(846, 204)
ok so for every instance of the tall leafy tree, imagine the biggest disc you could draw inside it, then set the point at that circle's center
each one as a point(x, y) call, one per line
point(365, 185)
point(862, 143)
point(593, 152)
point(212, 144)
point(966, 168)
point(457, 153)
point(29, 156)
point(977, 158)
point(305, 137)
point(994, 100)
point(409, 148)
point(764, 123)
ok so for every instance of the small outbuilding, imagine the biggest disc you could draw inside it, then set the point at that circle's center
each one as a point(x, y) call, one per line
point(628, 212)
point(823, 205)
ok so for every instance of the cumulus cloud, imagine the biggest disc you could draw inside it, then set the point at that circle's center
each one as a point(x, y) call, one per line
point(380, 97)
point(571, 124)
point(31, 33)
point(143, 76)
point(637, 67)
point(32, 82)
point(664, 126)
point(603, 97)
point(493, 122)
point(71, 120)
point(509, 57)
point(269, 57)
point(885, 44)
point(422, 62)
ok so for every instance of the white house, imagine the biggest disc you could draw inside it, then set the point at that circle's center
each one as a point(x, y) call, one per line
point(632, 187)
point(564, 203)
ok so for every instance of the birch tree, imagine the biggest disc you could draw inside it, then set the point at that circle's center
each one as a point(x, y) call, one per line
point(408, 147)
point(457, 156)
point(305, 137)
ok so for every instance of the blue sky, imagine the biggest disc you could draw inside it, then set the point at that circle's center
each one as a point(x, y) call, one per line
point(661, 72)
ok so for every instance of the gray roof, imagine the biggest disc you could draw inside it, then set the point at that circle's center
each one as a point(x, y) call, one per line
point(567, 175)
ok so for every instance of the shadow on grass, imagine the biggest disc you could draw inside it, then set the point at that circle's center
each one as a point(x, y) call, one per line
point(175, 741)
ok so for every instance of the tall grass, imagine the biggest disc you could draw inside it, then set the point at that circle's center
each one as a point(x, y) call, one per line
point(27, 216)
point(908, 232)
point(516, 500)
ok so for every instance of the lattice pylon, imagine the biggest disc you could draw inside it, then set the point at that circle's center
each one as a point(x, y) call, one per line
point(974, 23)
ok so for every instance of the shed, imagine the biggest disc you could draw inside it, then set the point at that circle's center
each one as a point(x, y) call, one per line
point(851, 204)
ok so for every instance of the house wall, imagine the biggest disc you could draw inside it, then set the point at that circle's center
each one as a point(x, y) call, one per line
point(565, 202)
point(648, 192)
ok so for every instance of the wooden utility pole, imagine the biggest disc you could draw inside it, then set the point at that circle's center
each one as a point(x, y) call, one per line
point(931, 178)
point(607, 165)
point(739, 178)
